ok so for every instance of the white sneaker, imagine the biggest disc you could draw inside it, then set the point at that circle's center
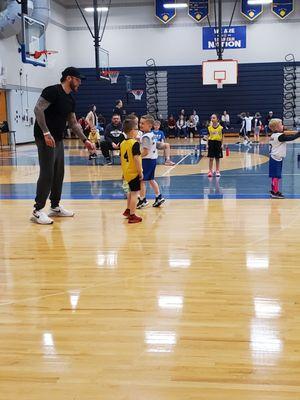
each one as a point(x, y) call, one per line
point(39, 217)
point(60, 212)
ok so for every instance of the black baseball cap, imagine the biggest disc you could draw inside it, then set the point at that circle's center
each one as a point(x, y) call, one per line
point(72, 71)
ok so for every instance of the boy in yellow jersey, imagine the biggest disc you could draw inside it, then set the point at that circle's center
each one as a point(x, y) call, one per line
point(215, 139)
point(131, 162)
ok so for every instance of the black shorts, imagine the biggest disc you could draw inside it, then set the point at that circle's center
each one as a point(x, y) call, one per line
point(215, 149)
point(135, 184)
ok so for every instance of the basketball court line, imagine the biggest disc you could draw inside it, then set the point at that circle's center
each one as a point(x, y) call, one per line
point(174, 166)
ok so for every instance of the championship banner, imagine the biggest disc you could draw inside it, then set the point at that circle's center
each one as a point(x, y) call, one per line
point(164, 14)
point(198, 9)
point(250, 11)
point(283, 8)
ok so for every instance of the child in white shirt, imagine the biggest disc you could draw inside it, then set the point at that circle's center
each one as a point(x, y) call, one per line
point(278, 141)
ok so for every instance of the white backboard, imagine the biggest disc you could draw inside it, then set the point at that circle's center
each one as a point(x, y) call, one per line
point(223, 72)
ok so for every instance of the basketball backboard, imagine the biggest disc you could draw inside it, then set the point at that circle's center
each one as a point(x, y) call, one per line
point(104, 63)
point(34, 41)
point(220, 72)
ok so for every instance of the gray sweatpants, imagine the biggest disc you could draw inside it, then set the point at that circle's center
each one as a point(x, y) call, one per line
point(52, 169)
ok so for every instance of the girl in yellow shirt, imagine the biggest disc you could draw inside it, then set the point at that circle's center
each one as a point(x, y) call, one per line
point(215, 138)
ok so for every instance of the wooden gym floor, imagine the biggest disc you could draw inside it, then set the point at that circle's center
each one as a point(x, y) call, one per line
point(201, 301)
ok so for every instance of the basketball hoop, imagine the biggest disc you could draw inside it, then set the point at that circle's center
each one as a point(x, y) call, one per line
point(110, 75)
point(137, 94)
point(220, 84)
point(219, 77)
point(37, 54)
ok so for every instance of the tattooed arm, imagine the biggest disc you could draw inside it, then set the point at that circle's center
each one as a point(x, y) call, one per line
point(39, 111)
point(77, 129)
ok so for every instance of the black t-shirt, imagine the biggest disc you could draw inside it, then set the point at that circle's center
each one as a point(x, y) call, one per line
point(62, 104)
point(114, 133)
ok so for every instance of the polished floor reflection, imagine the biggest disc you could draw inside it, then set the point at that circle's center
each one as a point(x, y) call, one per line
point(199, 302)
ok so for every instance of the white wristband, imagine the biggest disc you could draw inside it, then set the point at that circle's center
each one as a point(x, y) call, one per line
point(47, 133)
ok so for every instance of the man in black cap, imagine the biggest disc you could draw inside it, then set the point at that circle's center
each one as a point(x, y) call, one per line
point(54, 108)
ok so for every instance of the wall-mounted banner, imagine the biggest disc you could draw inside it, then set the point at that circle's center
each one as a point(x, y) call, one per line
point(198, 9)
point(250, 12)
point(283, 8)
point(164, 14)
point(235, 37)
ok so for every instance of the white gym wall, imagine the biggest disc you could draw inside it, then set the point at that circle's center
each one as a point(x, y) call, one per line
point(134, 34)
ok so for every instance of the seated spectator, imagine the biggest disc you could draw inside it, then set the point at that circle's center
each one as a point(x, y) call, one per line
point(163, 124)
point(113, 137)
point(172, 131)
point(159, 137)
point(101, 123)
point(225, 120)
point(191, 127)
point(120, 110)
point(182, 127)
point(182, 113)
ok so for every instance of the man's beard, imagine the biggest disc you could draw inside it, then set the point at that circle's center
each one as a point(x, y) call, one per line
point(73, 87)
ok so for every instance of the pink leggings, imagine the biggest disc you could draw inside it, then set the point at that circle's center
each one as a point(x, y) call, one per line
point(275, 185)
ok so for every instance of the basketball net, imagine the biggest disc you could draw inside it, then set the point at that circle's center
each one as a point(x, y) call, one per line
point(137, 94)
point(111, 75)
point(44, 55)
point(38, 54)
point(219, 84)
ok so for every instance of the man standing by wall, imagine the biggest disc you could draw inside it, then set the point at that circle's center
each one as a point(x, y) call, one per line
point(54, 108)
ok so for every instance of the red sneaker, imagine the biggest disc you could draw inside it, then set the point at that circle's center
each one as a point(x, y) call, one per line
point(126, 213)
point(134, 219)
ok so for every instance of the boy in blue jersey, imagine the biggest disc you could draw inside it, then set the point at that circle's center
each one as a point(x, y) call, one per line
point(160, 138)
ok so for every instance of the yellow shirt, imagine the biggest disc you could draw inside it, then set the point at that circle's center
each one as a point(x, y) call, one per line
point(215, 133)
point(94, 137)
point(128, 149)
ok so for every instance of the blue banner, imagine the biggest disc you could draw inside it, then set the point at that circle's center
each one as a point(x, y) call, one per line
point(283, 8)
point(164, 14)
point(198, 9)
point(235, 37)
point(250, 12)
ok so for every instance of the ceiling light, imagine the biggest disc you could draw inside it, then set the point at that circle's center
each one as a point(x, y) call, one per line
point(259, 2)
point(91, 9)
point(177, 5)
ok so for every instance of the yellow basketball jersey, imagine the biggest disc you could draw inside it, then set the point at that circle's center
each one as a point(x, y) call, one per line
point(215, 133)
point(127, 160)
point(94, 137)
